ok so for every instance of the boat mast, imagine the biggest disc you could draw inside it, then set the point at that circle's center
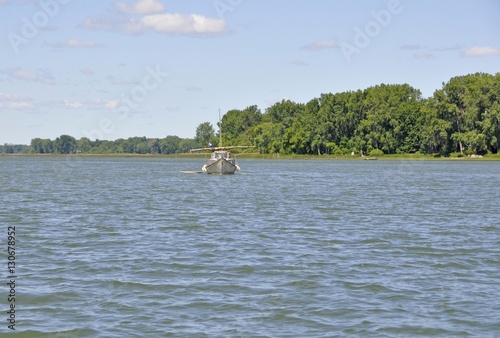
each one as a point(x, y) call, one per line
point(220, 130)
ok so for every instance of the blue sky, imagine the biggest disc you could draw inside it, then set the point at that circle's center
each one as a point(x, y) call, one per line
point(115, 69)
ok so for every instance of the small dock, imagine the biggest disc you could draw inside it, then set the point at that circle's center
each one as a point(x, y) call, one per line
point(191, 172)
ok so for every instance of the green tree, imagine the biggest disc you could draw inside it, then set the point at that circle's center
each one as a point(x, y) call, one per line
point(169, 145)
point(469, 100)
point(236, 125)
point(65, 144)
point(186, 144)
point(204, 134)
point(434, 130)
point(42, 146)
point(391, 113)
point(280, 117)
point(84, 145)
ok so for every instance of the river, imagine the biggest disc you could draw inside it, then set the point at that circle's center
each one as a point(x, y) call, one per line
point(130, 247)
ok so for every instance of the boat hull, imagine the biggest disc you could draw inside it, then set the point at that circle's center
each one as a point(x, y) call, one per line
point(220, 167)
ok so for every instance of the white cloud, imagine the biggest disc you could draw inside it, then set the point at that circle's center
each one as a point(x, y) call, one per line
point(111, 104)
point(423, 55)
point(182, 24)
point(42, 75)
point(71, 105)
point(74, 43)
point(142, 7)
point(20, 74)
point(120, 81)
point(16, 102)
point(482, 51)
point(320, 45)
point(102, 104)
point(109, 21)
point(450, 48)
point(165, 23)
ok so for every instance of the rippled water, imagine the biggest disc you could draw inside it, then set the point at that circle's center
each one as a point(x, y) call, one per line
point(129, 247)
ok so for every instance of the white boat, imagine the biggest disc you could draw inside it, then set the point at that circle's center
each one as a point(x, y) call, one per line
point(220, 163)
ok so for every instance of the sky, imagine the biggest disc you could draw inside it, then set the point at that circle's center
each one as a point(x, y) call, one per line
point(107, 69)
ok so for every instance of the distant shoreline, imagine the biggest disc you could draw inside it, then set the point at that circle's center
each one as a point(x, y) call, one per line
point(257, 156)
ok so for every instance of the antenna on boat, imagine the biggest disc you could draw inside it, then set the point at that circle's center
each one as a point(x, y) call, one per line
point(220, 130)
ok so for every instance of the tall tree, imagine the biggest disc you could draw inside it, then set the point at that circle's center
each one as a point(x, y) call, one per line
point(65, 144)
point(204, 133)
point(236, 125)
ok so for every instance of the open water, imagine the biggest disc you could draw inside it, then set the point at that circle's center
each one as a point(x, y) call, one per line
point(129, 247)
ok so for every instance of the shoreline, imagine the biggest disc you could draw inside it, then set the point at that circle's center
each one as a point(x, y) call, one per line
point(257, 156)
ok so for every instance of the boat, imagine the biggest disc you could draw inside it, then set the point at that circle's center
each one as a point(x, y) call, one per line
point(220, 162)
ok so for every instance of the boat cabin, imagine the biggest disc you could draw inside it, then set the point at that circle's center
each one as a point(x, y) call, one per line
point(220, 154)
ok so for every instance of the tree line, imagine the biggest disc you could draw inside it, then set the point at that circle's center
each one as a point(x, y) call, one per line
point(66, 144)
point(462, 117)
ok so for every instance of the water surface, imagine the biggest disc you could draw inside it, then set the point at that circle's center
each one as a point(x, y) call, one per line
point(129, 247)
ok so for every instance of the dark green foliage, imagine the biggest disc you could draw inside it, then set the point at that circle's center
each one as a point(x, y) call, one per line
point(204, 134)
point(65, 144)
point(236, 125)
point(14, 149)
point(464, 117)
point(132, 145)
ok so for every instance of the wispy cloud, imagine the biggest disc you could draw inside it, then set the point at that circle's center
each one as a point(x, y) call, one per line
point(41, 75)
point(87, 72)
point(152, 18)
point(299, 63)
point(142, 7)
point(71, 104)
point(423, 55)
point(111, 20)
point(410, 47)
point(320, 45)
point(450, 48)
point(94, 104)
point(481, 51)
point(74, 43)
point(102, 104)
point(119, 81)
point(422, 52)
point(14, 102)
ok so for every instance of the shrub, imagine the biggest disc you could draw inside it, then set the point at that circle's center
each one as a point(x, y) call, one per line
point(376, 153)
